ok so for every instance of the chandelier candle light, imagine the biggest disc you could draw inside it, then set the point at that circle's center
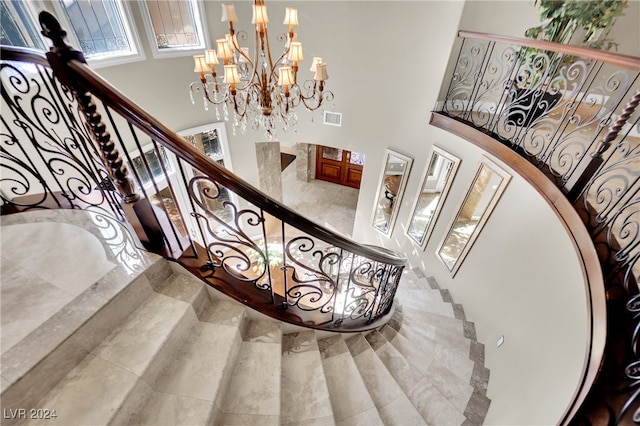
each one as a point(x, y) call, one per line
point(259, 89)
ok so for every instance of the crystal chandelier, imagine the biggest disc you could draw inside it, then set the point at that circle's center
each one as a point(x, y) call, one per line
point(258, 91)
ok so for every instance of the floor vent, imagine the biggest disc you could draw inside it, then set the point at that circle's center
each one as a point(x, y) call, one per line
point(333, 118)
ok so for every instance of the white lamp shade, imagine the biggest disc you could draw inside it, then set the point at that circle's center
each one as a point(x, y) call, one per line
point(229, 13)
point(224, 50)
point(295, 52)
point(291, 16)
point(231, 74)
point(321, 73)
point(259, 14)
point(285, 77)
point(210, 57)
point(316, 60)
point(201, 65)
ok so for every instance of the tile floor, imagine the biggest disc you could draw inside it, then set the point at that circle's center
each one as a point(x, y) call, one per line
point(30, 248)
point(328, 204)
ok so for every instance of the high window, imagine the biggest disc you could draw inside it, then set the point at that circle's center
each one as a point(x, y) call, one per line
point(175, 28)
point(17, 25)
point(102, 30)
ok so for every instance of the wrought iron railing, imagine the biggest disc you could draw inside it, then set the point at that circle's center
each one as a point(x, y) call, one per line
point(572, 112)
point(68, 141)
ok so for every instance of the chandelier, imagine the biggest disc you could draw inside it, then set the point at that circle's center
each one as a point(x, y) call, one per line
point(258, 91)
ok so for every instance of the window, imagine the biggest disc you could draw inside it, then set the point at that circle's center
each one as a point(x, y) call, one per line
point(17, 26)
point(101, 29)
point(175, 28)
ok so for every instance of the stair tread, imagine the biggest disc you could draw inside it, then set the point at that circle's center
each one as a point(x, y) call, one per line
point(168, 409)
point(197, 371)
point(438, 410)
point(350, 399)
point(253, 393)
point(134, 343)
point(305, 395)
point(393, 405)
point(78, 401)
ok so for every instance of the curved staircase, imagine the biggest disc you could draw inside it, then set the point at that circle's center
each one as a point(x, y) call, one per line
point(181, 353)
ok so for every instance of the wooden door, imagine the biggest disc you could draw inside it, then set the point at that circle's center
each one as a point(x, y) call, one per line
point(339, 166)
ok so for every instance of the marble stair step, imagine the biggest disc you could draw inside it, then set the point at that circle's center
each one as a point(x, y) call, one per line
point(426, 303)
point(352, 404)
point(418, 315)
point(33, 367)
point(253, 394)
point(305, 395)
point(449, 372)
point(432, 405)
point(412, 281)
point(119, 363)
point(200, 371)
point(392, 403)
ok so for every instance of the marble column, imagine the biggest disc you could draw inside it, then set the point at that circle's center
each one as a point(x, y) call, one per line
point(269, 168)
point(305, 162)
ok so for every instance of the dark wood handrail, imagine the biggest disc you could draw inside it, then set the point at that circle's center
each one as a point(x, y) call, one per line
point(617, 59)
point(582, 241)
point(158, 131)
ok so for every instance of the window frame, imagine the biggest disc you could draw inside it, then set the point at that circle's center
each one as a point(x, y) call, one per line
point(112, 59)
point(41, 43)
point(174, 52)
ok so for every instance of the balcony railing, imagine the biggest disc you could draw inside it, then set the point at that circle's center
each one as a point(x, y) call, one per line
point(572, 113)
point(67, 141)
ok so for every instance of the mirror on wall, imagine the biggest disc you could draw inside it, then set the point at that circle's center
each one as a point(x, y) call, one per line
point(393, 180)
point(436, 181)
point(486, 188)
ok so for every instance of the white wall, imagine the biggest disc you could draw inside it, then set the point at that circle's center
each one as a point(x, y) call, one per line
point(386, 62)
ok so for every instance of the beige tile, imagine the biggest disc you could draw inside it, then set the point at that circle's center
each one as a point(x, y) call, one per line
point(135, 343)
point(433, 406)
point(379, 382)
point(255, 384)
point(79, 400)
point(36, 244)
point(230, 419)
point(348, 393)
point(368, 417)
point(197, 369)
point(174, 410)
point(26, 301)
point(305, 395)
point(400, 412)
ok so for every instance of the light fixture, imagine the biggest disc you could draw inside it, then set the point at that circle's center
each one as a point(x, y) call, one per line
point(259, 91)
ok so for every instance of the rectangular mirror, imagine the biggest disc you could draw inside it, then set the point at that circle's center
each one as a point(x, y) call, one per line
point(488, 185)
point(393, 180)
point(436, 181)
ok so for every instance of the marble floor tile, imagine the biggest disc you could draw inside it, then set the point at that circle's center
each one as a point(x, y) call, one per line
point(454, 389)
point(305, 197)
point(197, 369)
point(26, 301)
point(34, 245)
point(368, 417)
point(255, 383)
point(134, 344)
point(433, 406)
point(349, 395)
point(400, 412)
point(168, 409)
point(305, 395)
point(79, 400)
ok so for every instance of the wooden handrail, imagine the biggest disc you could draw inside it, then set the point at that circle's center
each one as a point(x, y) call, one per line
point(617, 59)
point(117, 101)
